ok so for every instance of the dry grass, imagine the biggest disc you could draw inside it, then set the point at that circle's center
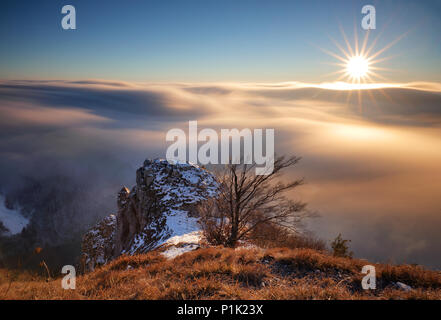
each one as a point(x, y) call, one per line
point(272, 236)
point(224, 273)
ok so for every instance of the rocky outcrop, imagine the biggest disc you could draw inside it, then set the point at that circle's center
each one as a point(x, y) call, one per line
point(98, 244)
point(163, 203)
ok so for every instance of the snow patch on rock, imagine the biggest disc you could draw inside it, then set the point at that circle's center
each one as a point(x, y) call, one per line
point(180, 223)
point(403, 286)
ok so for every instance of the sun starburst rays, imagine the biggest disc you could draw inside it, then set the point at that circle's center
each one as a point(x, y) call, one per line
point(358, 62)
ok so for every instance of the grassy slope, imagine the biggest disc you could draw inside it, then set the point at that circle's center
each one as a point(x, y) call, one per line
point(223, 273)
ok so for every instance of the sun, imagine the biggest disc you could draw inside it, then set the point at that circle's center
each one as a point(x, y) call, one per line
point(359, 63)
point(357, 67)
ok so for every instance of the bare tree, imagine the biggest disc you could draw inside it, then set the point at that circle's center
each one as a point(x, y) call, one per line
point(247, 200)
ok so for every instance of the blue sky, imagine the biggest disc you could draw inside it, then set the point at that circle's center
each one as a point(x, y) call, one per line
point(210, 40)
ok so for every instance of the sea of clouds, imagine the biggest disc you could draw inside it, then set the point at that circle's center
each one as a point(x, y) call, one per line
point(371, 158)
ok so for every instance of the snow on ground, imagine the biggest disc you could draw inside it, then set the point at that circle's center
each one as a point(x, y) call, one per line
point(245, 245)
point(173, 252)
point(12, 219)
point(189, 238)
point(180, 244)
point(187, 242)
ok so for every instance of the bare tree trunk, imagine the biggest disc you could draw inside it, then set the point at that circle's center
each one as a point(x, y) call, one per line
point(234, 227)
point(233, 237)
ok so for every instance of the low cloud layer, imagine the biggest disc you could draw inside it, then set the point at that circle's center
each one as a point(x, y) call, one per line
point(372, 158)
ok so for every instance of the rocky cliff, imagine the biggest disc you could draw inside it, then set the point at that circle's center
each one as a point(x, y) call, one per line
point(163, 203)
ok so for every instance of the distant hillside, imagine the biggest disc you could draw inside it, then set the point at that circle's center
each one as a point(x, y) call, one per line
point(225, 273)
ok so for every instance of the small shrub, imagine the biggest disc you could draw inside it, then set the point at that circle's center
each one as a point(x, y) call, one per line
point(215, 233)
point(340, 247)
